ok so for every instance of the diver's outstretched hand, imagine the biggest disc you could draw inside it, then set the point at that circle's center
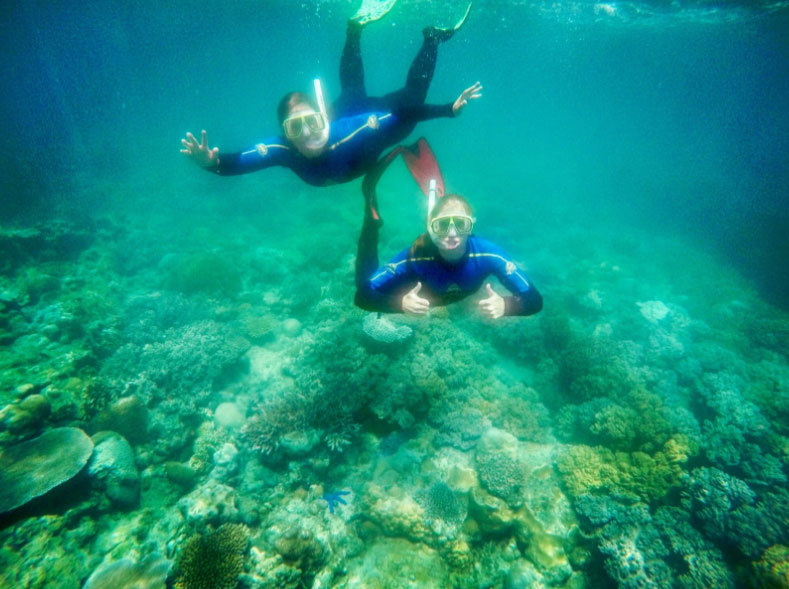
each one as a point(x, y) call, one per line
point(471, 93)
point(493, 306)
point(413, 304)
point(200, 153)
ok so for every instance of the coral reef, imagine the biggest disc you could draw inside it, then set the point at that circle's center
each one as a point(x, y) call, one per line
point(381, 329)
point(634, 434)
point(441, 503)
point(772, 571)
point(113, 468)
point(731, 514)
point(586, 469)
point(212, 560)
point(149, 573)
point(210, 504)
point(32, 468)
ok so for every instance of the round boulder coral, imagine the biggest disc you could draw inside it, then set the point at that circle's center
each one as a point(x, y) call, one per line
point(32, 468)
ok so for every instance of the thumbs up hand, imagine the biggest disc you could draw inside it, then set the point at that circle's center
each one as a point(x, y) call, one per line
point(493, 305)
point(413, 304)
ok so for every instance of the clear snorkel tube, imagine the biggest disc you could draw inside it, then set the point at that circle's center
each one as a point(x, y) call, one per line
point(431, 202)
point(320, 100)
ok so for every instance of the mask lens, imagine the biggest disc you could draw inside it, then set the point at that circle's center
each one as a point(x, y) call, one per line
point(293, 127)
point(315, 122)
point(441, 226)
point(462, 224)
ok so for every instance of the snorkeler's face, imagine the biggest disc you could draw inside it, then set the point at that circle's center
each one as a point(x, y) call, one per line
point(307, 130)
point(452, 245)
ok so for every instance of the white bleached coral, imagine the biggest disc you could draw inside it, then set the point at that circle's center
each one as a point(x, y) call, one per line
point(653, 311)
point(149, 573)
point(381, 329)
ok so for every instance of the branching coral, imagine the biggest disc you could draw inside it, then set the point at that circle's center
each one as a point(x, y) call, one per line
point(213, 560)
point(517, 409)
point(730, 513)
point(441, 503)
point(643, 550)
point(179, 363)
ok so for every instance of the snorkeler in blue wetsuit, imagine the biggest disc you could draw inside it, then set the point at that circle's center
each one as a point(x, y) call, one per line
point(324, 151)
point(444, 265)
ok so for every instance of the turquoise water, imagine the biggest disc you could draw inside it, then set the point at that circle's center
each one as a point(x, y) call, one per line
point(631, 157)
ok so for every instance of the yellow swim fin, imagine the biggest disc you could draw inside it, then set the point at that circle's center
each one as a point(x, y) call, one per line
point(372, 10)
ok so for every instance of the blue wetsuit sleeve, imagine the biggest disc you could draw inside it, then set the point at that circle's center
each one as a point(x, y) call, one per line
point(272, 152)
point(384, 290)
point(525, 299)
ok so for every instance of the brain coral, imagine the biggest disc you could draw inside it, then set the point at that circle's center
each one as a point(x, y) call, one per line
point(32, 468)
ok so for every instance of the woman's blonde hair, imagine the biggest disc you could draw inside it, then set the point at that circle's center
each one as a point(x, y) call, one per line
point(444, 201)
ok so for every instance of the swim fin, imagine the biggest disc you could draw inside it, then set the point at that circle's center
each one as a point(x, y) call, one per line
point(372, 10)
point(371, 181)
point(423, 165)
point(442, 34)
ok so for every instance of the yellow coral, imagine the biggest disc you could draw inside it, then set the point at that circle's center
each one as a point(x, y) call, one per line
point(772, 571)
point(585, 469)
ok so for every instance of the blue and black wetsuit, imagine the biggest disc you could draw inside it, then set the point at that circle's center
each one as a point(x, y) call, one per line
point(361, 126)
point(382, 289)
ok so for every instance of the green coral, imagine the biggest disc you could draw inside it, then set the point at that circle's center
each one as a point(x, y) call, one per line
point(208, 441)
point(591, 368)
point(615, 425)
point(519, 412)
point(213, 560)
point(585, 469)
point(653, 429)
point(207, 272)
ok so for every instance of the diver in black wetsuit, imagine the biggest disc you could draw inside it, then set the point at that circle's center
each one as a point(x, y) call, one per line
point(444, 265)
point(323, 151)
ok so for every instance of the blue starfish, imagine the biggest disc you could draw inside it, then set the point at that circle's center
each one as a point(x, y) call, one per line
point(334, 498)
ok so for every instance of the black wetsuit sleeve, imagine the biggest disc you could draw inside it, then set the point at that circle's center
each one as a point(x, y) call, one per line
point(384, 288)
point(370, 300)
point(423, 112)
point(527, 303)
point(230, 165)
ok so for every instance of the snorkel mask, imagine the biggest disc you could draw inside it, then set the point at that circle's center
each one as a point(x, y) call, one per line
point(440, 226)
point(316, 122)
